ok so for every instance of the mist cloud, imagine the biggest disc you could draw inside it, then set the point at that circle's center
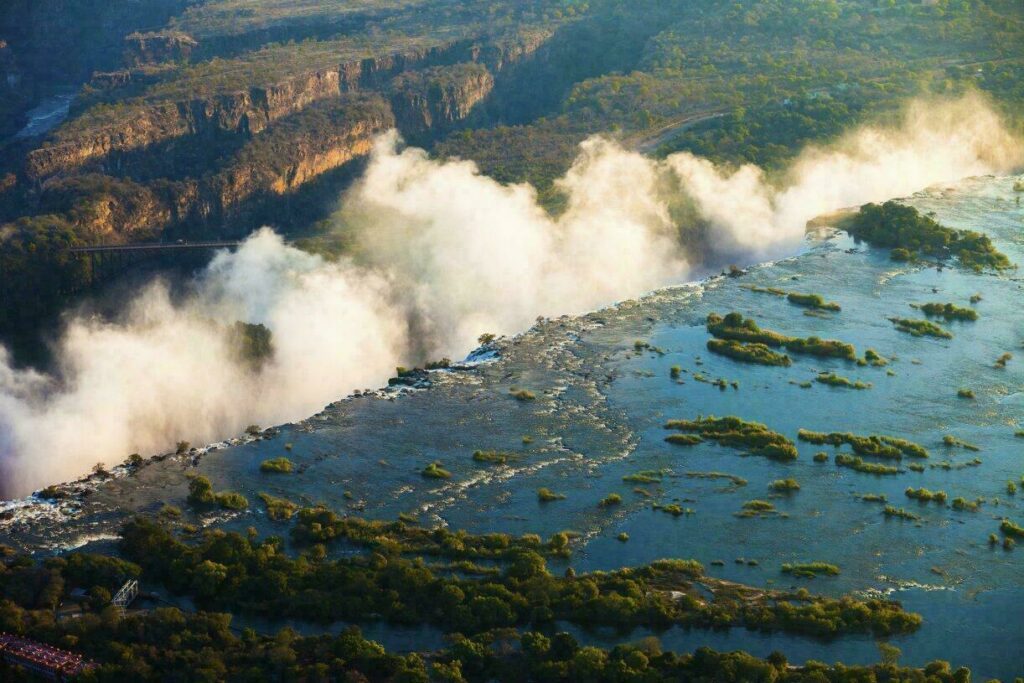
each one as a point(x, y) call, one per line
point(442, 255)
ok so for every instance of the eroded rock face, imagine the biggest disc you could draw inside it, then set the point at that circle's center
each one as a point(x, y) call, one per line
point(157, 47)
point(439, 98)
point(458, 76)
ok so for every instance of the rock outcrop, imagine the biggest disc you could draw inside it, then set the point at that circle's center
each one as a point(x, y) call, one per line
point(438, 98)
point(156, 47)
point(86, 143)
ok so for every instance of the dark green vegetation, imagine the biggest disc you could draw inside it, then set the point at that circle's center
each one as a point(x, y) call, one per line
point(645, 477)
point(873, 497)
point(493, 457)
point(965, 393)
point(252, 575)
point(954, 442)
point(924, 495)
point(1011, 529)
point(734, 481)
point(833, 380)
point(751, 437)
point(674, 509)
point(948, 311)
point(784, 485)
point(889, 447)
point(872, 357)
point(808, 570)
point(201, 495)
point(435, 471)
point(900, 513)
point(277, 466)
point(757, 508)
point(909, 234)
point(736, 328)
point(748, 353)
point(278, 509)
point(858, 464)
point(920, 328)
point(230, 571)
point(546, 495)
point(962, 504)
point(813, 301)
point(684, 439)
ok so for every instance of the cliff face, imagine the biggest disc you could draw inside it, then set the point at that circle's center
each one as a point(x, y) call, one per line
point(249, 112)
point(304, 147)
point(437, 99)
point(157, 47)
point(263, 142)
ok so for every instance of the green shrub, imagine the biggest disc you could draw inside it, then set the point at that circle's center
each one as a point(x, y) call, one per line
point(949, 312)
point(734, 432)
point(492, 457)
point(809, 570)
point(435, 471)
point(924, 495)
point(545, 495)
point(229, 500)
point(278, 509)
point(920, 328)
point(813, 301)
point(277, 466)
point(748, 353)
point(684, 439)
point(899, 513)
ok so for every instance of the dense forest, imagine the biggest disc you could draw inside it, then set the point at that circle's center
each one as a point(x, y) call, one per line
point(501, 622)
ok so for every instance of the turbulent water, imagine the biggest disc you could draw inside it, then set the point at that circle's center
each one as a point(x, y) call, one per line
point(598, 416)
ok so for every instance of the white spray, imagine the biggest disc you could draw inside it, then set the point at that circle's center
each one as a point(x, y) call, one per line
point(443, 254)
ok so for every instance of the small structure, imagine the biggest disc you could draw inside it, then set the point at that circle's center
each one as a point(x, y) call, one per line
point(126, 596)
point(49, 662)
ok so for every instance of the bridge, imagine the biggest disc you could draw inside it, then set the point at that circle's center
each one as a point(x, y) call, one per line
point(126, 596)
point(152, 247)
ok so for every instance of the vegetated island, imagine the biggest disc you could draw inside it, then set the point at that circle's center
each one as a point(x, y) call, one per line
point(910, 235)
point(751, 437)
point(948, 311)
point(734, 327)
point(889, 447)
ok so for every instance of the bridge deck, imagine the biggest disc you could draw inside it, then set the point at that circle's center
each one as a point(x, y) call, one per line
point(158, 246)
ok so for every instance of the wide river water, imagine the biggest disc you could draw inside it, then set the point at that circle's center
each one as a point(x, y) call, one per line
point(601, 404)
